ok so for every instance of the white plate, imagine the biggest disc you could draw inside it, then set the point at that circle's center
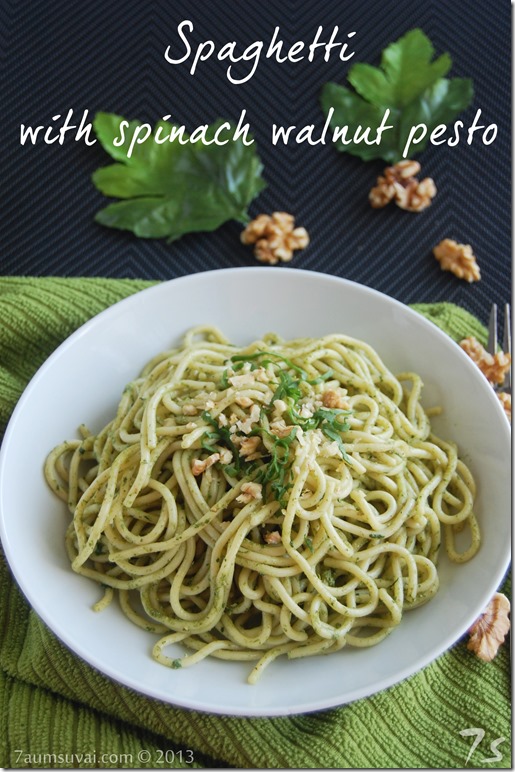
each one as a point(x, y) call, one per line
point(82, 382)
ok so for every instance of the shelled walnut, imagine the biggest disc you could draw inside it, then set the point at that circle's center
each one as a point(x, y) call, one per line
point(335, 399)
point(457, 258)
point(398, 183)
point(493, 366)
point(199, 466)
point(505, 398)
point(275, 237)
point(250, 491)
point(489, 631)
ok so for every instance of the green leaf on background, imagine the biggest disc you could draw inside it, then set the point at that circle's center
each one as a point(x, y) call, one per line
point(169, 189)
point(409, 84)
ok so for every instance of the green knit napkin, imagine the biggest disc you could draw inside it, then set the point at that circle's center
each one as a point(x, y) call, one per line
point(58, 712)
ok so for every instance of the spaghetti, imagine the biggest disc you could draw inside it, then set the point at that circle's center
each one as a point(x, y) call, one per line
point(284, 498)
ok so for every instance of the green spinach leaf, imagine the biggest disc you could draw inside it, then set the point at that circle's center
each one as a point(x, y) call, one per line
point(168, 189)
point(408, 84)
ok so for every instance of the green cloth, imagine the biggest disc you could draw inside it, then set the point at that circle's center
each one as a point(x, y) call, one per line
point(57, 712)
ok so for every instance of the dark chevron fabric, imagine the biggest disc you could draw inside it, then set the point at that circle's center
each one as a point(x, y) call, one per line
point(109, 55)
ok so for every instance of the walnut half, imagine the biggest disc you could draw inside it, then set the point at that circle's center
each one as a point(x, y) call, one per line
point(275, 237)
point(398, 183)
point(505, 399)
point(457, 258)
point(489, 631)
point(493, 366)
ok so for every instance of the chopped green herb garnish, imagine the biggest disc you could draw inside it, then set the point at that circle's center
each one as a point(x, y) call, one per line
point(224, 380)
point(277, 472)
point(221, 435)
point(259, 354)
point(208, 439)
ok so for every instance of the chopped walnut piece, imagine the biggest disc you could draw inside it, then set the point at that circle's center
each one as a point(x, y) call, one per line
point(225, 456)
point(280, 428)
point(245, 425)
point(489, 631)
point(334, 399)
point(249, 491)
point(261, 375)
point(272, 537)
point(189, 410)
point(275, 237)
point(331, 449)
point(249, 446)
point(457, 258)
point(493, 366)
point(239, 381)
point(505, 398)
point(306, 411)
point(243, 401)
point(198, 466)
point(398, 183)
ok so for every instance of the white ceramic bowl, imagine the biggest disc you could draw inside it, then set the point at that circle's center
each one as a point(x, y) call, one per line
point(82, 382)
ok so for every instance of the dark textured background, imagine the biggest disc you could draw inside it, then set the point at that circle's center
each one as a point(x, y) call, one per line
point(108, 55)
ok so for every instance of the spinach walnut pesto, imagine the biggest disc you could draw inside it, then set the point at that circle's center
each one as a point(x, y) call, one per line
point(284, 498)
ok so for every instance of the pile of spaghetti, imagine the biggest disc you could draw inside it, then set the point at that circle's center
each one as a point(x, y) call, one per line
point(285, 498)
